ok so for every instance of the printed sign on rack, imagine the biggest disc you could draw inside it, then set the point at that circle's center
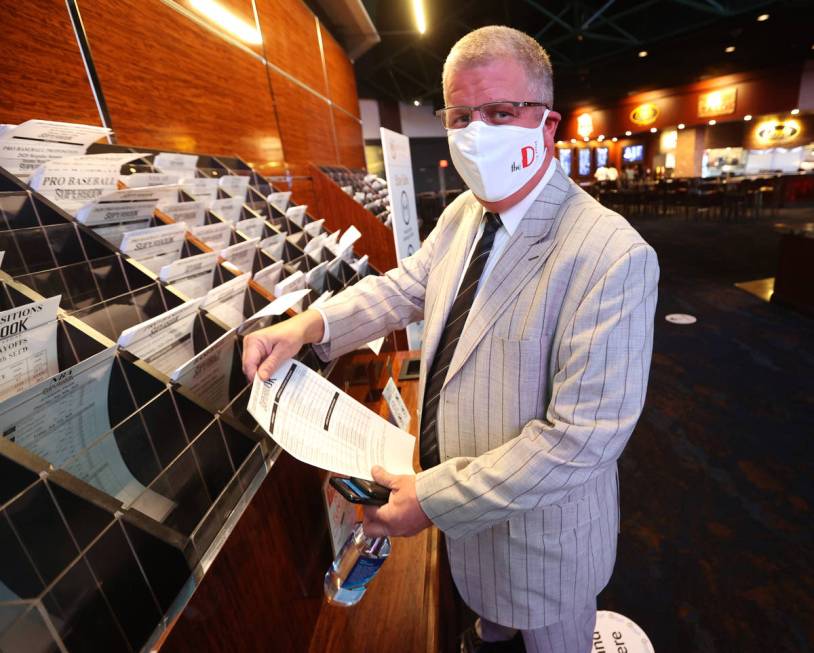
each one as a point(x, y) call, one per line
point(25, 147)
point(270, 275)
point(297, 214)
point(226, 300)
point(398, 168)
point(236, 185)
point(253, 227)
point(242, 254)
point(193, 213)
point(217, 236)
point(200, 188)
point(155, 247)
point(142, 179)
point(193, 275)
point(207, 374)
point(128, 205)
point(227, 208)
point(279, 200)
point(172, 162)
point(274, 246)
point(314, 228)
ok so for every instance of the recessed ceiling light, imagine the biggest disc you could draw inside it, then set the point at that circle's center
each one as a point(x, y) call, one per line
point(573, 140)
point(417, 103)
point(681, 125)
point(762, 18)
point(747, 117)
point(601, 137)
point(628, 133)
point(794, 112)
point(653, 130)
point(713, 122)
point(729, 49)
point(586, 139)
point(642, 54)
point(614, 139)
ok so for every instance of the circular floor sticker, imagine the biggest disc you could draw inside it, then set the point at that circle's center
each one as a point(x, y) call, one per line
point(615, 632)
point(681, 318)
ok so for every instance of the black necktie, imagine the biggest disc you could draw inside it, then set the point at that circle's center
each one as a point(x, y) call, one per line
point(428, 444)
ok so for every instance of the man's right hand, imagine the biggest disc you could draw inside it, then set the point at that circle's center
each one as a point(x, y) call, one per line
point(265, 350)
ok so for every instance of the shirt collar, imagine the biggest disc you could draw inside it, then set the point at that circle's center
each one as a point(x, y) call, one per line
point(512, 216)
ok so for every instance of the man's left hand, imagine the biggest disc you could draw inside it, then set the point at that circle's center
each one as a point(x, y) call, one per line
point(402, 514)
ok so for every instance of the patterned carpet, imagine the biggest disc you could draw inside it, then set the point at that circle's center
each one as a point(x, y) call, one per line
point(715, 553)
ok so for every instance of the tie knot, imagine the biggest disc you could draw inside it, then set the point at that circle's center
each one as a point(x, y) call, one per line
point(493, 221)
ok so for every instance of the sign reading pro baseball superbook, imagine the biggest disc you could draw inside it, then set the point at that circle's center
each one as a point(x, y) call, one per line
point(398, 169)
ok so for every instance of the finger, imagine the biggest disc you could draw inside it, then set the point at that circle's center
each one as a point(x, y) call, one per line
point(271, 363)
point(254, 351)
point(383, 477)
point(373, 528)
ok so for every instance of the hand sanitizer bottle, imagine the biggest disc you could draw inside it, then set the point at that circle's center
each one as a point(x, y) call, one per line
point(354, 567)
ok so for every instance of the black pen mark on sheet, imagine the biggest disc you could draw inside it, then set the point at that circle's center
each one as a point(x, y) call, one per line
point(331, 410)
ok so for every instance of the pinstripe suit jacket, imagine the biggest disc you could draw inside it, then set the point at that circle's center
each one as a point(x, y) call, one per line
point(546, 384)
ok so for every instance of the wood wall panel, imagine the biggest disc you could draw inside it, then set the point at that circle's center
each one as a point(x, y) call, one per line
point(42, 74)
point(171, 83)
point(349, 140)
point(341, 77)
point(305, 123)
point(291, 40)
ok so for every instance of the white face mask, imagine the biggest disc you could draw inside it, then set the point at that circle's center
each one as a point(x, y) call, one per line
point(497, 161)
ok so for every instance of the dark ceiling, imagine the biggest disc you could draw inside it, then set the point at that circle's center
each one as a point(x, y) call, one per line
point(594, 46)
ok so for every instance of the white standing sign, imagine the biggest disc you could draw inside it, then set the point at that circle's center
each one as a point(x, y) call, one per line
point(398, 168)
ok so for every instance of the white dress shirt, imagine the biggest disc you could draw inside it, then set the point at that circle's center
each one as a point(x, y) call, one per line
point(510, 218)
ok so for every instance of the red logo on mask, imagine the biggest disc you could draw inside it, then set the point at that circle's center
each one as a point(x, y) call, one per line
point(528, 154)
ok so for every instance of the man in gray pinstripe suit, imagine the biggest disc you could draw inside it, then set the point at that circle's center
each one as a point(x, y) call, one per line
point(538, 306)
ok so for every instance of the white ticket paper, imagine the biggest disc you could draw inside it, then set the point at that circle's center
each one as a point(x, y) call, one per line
point(320, 425)
point(183, 164)
point(269, 276)
point(193, 213)
point(314, 246)
point(226, 300)
point(25, 147)
point(216, 236)
point(236, 185)
point(228, 208)
point(193, 275)
point(164, 341)
point(142, 179)
point(274, 246)
point(253, 227)
point(128, 205)
point(28, 345)
point(72, 182)
point(297, 214)
point(279, 200)
point(242, 254)
point(63, 419)
point(316, 276)
point(200, 188)
point(314, 228)
point(207, 374)
point(155, 247)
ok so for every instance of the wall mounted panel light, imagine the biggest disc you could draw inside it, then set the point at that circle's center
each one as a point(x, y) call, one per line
point(228, 21)
point(729, 49)
point(713, 122)
point(642, 54)
point(653, 130)
point(681, 125)
point(763, 18)
point(747, 117)
point(614, 139)
point(420, 16)
point(417, 103)
point(794, 112)
point(628, 133)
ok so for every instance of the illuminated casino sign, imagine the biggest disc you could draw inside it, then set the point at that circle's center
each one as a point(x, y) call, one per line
point(644, 114)
point(775, 132)
point(717, 103)
point(585, 125)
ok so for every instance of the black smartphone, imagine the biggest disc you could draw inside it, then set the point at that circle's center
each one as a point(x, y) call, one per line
point(358, 490)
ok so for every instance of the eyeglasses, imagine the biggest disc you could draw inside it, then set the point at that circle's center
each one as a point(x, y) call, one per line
point(503, 112)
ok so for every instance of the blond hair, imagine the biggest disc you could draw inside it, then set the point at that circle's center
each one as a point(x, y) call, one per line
point(486, 44)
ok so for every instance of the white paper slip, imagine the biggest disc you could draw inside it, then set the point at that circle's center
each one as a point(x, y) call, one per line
point(316, 277)
point(2, 256)
point(65, 420)
point(164, 341)
point(361, 266)
point(200, 188)
point(314, 228)
point(129, 205)
point(227, 209)
point(155, 247)
point(236, 185)
point(349, 237)
point(142, 179)
point(241, 255)
point(252, 228)
point(295, 281)
point(193, 276)
point(320, 425)
point(324, 297)
point(25, 147)
point(375, 345)
point(398, 409)
point(216, 236)
point(335, 267)
point(274, 246)
point(270, 275)
point(207, 374)
point(28, 345)
point(72, 182)
point(279, 200)
point(314, 246)
point(193, 213)
point(183, 164)
point(114, 233)
point(297, 214)
point(226, 301)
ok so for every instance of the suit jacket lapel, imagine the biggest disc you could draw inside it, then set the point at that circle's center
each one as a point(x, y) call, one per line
point(523, 255)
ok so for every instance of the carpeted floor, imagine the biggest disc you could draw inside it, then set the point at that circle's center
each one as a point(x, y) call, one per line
point(717, 482)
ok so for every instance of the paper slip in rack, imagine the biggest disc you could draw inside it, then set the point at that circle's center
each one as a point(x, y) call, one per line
point(320, 425)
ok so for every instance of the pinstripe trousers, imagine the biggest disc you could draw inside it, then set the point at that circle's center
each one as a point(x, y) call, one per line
point(573, 634)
